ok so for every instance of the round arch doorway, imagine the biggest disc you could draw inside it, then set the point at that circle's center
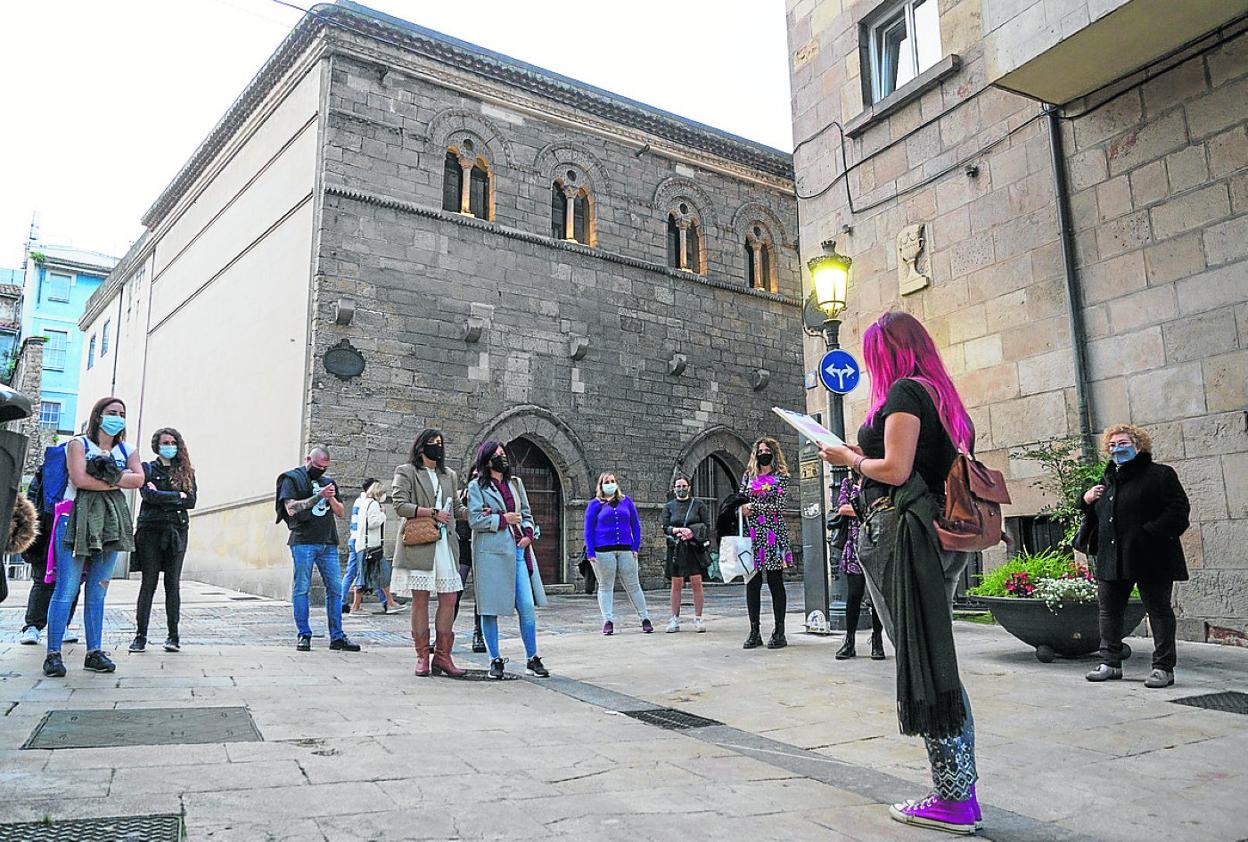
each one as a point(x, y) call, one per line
point(715, 478)
point(541, 482)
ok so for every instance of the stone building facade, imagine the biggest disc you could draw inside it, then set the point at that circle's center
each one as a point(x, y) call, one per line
point(947, 155)
point(393, 229)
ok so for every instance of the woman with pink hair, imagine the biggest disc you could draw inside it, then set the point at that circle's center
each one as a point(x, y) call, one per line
point(914, 429)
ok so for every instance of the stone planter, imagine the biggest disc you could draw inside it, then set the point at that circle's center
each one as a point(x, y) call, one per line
point(1072, 632)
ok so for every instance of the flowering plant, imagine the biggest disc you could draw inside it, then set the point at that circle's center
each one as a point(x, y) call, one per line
point(1057, 593)
point(1019, 584)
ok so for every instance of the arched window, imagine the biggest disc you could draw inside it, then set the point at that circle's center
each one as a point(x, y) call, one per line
point(759, 260)
point(684, 240)
point(581, 217)
point(452, 182)
point(466, 182)
point(558, 212)
point(479, 193)
point(673, 242)
point(713, 480)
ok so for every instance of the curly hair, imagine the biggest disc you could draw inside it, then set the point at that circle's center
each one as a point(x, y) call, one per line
point(1143, 441)
point(779, 465)
point(183, 476)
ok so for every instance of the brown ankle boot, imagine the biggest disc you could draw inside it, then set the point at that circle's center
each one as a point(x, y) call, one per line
point(442, 663)
point(422, 654)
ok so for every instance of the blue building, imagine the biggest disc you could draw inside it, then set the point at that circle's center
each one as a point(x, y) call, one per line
point(58, 282)
point(10, 317)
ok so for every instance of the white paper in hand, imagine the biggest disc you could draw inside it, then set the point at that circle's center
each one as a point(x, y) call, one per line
point(809, 427)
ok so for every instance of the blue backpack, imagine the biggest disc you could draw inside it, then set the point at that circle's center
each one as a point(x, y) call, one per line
point(53, 478)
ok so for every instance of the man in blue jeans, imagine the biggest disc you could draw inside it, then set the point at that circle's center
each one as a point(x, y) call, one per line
point(307, 501)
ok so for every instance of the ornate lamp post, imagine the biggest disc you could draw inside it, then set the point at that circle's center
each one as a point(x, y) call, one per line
point(829, 274)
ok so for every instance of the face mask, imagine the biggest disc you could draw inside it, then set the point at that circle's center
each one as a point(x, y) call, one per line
point(434, 452)
point(609, 489)
point(315, 472)
point(168, 451)
point(112, 424)
point(1123, 453)
point(499, 463)
point(682, 494)
point(764, 459)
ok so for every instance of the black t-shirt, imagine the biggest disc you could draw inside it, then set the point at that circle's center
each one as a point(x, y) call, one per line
point(934, 454)
point(317, 525)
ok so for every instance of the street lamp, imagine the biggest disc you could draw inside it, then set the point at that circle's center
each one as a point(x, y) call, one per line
point(829, 276)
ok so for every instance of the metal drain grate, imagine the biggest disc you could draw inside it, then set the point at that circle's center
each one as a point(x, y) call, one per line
point(157, 828)
point(246, 598)
point(1230, 701)
point(671, 719)
point(484, 675)
point(143, 727)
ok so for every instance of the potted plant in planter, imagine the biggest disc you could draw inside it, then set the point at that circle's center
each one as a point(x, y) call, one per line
point(1047, 599)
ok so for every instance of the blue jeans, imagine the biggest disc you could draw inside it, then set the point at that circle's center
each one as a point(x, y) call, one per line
point(354, 577)
point(325, 558)
point(69, 573)
point(524, 607)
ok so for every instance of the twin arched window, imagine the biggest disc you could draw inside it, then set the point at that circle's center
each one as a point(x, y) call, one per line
point(760, 263)
point(684, 240)
point(571, 210)
point(466, 183)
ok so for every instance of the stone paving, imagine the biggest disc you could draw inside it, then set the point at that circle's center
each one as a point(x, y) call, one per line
point(355, 747)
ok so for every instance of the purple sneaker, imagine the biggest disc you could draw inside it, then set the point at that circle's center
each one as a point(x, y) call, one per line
point(608, 628)
point(647, 626)
point(960, 817)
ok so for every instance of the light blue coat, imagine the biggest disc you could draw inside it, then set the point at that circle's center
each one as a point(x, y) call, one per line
point(494, 549)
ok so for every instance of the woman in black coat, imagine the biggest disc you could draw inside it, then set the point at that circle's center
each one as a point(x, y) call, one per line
point(1135, 516)
point(687, 528)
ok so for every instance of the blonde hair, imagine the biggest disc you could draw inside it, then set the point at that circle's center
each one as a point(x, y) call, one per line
point(619, 495)
point(779, 466)
point(1143, 441)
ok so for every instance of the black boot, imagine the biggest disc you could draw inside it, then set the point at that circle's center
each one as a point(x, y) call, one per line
point(777, 639)
point(877, 646)
point(755, 639)
point(478, 641)
point(847, 649)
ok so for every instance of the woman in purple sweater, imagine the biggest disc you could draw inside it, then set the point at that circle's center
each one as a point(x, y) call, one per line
point(612, 539)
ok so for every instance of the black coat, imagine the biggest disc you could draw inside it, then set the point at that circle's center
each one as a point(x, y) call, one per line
point(1138, 521)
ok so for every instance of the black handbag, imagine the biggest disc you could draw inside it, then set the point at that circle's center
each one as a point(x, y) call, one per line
point(587, 571)
point(1088, 536)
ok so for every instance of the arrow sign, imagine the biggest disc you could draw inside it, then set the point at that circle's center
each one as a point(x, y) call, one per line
point(839, 372)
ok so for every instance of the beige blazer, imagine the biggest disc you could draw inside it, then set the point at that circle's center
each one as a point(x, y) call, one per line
point(411, 489)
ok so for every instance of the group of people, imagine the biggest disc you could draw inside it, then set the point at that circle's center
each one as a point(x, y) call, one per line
point(87, 523)
point(915, 427)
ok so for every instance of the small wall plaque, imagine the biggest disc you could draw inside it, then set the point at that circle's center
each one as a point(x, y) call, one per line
point(912, 261)
point(344, 361)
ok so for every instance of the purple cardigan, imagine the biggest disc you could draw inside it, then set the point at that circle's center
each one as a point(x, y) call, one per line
point(611, 526)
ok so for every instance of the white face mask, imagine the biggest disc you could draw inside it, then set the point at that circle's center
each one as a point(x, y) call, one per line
point(609, 489)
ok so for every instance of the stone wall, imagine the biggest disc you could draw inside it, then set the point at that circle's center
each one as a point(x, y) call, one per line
point(28, 379)
point(1159, 194)
point(576, 344)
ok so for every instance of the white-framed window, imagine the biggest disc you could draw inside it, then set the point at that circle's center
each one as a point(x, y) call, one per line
point(50, 415)
point(55, 349)
point(59, 286)
point(91, 351)
point(104, 335)
point(903, 42)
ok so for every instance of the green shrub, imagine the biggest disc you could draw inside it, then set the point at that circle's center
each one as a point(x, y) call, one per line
point(1049, 564)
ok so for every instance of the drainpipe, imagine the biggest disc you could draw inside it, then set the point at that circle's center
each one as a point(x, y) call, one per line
point(1074, 297)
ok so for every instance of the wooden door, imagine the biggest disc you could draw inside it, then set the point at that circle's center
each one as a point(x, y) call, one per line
point(541, 481)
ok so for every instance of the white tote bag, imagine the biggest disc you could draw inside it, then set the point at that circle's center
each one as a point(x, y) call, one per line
point(736, 554)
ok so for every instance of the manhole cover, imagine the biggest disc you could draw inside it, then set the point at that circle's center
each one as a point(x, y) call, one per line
point(671, 719)
point(138, 828)
point(145, 727)
point(1228, 702)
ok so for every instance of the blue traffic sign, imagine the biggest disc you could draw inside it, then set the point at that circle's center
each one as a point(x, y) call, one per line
point(839, 371)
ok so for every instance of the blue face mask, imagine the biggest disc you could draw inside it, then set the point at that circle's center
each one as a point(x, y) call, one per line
point(609, 488)
point(168, 451)
point(112, 424)
point(1123, 454)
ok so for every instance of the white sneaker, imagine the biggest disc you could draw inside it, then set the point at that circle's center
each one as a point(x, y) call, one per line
point(697, 625)
point(30, 636)
point(673, 625)
point(71, 635)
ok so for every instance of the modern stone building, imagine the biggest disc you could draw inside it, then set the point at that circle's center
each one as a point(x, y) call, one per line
point(945, 144)
point(392, 229)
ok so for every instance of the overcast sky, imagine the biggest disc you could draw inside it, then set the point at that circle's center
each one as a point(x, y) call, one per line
point(102, 102)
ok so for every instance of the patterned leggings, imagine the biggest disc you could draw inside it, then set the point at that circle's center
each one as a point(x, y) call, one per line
point(952, 758)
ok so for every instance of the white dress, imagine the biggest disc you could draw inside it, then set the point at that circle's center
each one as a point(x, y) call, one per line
point(444, 577)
